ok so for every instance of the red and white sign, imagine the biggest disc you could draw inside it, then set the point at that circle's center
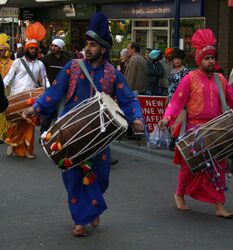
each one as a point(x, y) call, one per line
point(153, 108)
point(230, 3)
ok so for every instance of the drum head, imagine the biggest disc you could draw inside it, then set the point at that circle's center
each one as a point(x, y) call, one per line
point(114, 110)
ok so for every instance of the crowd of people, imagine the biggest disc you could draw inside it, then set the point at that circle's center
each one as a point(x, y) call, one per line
point(152, 74)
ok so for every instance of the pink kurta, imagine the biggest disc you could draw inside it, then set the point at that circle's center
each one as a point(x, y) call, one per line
point(199, 94)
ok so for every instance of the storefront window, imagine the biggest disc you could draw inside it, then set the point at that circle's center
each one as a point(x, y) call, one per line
point(55, 29)
point(187, 29)
point(141, 24)
point(160, 23)
point(141, 38)
point(6, 26)
point(121, 33)
point(159, 39)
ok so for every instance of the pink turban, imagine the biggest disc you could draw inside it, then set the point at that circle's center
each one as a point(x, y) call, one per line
point(203, 40)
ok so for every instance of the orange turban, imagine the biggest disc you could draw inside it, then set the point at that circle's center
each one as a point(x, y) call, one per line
point(168, 52)
point(35, 32)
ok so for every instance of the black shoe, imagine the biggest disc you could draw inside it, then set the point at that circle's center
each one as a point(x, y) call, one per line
point(113, 162)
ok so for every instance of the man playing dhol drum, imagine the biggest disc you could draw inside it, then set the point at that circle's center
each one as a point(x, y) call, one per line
point(86, 202)
point(26, 73)
point(198, 92)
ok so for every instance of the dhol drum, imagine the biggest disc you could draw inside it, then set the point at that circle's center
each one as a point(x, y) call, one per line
point(21, 101)
point(208, 144)
point(84, 131)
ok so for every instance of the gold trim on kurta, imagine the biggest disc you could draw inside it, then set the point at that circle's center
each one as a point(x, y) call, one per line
point(195, 105)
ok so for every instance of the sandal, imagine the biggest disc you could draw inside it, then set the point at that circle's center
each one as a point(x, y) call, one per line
point(30, 156)
point(9, 151)
point(95, 222)
point(79, 232)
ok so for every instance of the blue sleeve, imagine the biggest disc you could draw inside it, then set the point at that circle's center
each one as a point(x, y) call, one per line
point(126, 99)
point(47, 103)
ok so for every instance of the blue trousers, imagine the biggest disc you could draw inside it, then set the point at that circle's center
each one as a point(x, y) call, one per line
point(86, 202)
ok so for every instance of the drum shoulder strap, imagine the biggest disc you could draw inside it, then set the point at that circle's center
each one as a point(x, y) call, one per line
point(221, 93)
point(29, 72)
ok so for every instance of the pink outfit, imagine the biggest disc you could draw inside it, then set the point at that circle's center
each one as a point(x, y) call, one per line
point(199, 94)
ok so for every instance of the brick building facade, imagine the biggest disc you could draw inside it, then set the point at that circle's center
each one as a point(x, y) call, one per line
point(219, 18)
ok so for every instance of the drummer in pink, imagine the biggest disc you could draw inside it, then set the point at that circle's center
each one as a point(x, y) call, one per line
point(198, 93)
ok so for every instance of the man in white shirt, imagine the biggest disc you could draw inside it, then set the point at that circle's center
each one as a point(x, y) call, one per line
point(26, 73)
point(20, 78)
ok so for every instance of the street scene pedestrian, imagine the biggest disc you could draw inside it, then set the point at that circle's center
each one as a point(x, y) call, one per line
point(19, 50)
point(167, 65)
point(53, 62)
point(198, 93)
point(5, 64)
point(25, 73)
point(174, 78)
point(86, 201)
point(154, 73)
point(116, 125)
point(177, 73)
point(135, 73)
point(124, 60)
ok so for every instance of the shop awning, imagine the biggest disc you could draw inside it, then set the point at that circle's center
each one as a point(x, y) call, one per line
point(38, 3)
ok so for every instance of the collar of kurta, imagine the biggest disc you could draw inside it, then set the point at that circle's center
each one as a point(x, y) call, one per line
point(76, 74)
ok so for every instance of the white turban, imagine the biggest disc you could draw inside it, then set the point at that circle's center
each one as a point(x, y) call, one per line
point(124, 52)
point(19, 45)
point(59, 42)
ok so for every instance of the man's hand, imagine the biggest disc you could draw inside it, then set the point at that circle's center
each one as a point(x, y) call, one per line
point(29, 112)
point(163, 124)
point(138, 126)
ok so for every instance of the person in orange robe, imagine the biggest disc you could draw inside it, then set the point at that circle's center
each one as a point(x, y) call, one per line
point(20, 134)
point(5, 64)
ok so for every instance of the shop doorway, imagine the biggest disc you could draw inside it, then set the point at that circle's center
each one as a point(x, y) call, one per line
point(152, 34)
point(78, 30)
point(159, 39)
point(141, 37)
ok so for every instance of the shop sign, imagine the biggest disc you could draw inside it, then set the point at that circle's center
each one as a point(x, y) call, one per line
point(27, 14)
point(5, 20)
point(9, 12)
point(79, 11)
point(156, 9)
point(230, 3)
point(153, 108)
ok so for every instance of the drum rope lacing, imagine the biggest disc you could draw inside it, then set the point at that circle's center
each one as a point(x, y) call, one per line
point(93, 143)
point(212, 164)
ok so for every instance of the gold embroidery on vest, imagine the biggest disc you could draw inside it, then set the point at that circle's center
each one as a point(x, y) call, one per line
point(195, 105)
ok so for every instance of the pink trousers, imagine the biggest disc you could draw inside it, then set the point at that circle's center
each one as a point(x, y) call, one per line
point(199, 186)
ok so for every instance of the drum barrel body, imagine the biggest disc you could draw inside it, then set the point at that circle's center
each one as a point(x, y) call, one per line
point(21, 101)
point(210, 143)
point(79, 134)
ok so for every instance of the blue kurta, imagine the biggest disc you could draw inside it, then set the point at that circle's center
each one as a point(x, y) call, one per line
point(86, 202)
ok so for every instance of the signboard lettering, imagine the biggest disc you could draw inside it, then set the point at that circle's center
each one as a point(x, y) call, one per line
point(153, 108)
point(9, 12)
